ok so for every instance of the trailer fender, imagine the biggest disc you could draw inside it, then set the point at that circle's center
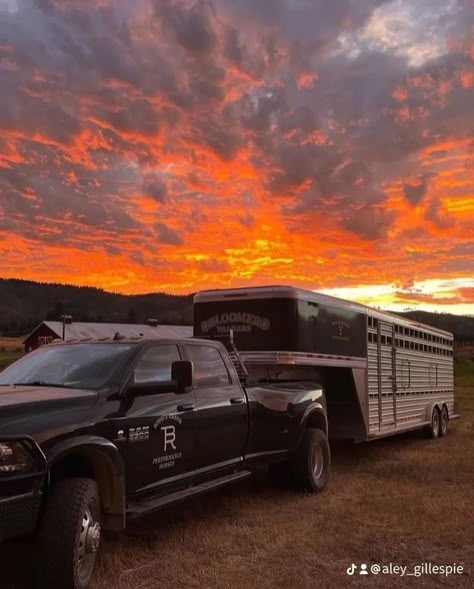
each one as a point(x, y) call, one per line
point(429, 409)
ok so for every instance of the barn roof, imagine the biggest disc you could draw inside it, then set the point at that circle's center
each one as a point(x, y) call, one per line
point(80, 331)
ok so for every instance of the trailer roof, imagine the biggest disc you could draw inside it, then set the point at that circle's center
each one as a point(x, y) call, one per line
point(285, 291)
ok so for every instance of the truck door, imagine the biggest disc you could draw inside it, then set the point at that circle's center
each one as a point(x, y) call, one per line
point(221, 410)
point(159, 429)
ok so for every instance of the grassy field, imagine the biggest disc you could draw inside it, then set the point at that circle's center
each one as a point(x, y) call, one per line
point(11, 349)
point(405, 500)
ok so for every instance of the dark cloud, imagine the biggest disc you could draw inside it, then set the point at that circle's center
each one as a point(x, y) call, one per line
point(168, 235)
point(190, 24)
point(369, 222)
point(416, 190)
point(132, 116)
point(247, 220)
point(154, 187)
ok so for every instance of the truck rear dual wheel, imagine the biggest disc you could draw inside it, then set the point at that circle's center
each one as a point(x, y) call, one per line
point(69, 535)
point(312, 464)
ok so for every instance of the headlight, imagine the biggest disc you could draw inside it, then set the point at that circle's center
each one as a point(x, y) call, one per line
point(14, 458)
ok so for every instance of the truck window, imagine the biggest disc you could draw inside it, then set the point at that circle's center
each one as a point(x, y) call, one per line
point(209, 367)
point(155, 364)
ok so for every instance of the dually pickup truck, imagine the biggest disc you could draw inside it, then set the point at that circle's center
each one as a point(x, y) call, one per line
point(93, 434)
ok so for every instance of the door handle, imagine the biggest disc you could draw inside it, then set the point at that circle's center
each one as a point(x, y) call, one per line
point(186, 407)
point(236, 400)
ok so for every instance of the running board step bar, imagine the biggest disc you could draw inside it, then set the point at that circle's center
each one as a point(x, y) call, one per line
point(153, 504)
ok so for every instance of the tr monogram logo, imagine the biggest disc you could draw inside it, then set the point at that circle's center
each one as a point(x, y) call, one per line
point(169, 436)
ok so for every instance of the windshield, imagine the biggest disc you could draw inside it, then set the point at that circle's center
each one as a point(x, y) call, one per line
point(78, 366)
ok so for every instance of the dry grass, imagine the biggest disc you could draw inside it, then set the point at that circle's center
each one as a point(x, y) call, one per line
point(10, 343)
point(11, 349)
point(405, 500)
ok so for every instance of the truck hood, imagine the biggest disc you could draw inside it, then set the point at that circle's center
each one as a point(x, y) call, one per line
point(33, 410)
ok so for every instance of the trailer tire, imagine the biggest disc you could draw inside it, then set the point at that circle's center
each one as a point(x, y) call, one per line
point(69, 535)
point(312, 464)
point(443, 427)
point(434, 427)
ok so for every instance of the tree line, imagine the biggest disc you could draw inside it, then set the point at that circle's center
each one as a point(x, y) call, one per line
point(24, 304)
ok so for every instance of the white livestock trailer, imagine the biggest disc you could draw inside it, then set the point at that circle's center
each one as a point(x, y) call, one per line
point(383, 374)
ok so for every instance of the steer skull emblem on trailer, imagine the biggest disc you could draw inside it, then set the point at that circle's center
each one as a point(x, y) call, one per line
point(341, 329)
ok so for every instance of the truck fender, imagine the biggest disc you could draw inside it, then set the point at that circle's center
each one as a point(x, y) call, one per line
point(102, 457)
point(314, 416)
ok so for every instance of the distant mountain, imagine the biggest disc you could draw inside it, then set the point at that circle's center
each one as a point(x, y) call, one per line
point(24, 304)
point(460, 325)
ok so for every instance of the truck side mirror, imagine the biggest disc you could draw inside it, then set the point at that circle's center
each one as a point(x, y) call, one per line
point(182, 373)
point(145, 389)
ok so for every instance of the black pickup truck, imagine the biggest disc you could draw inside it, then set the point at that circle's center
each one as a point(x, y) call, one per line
point(94, 434)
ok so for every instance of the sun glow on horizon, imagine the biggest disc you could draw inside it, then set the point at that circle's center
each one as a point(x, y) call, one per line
point(436, 296)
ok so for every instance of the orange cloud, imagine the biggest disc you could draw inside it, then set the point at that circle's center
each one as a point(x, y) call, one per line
point(306, 80)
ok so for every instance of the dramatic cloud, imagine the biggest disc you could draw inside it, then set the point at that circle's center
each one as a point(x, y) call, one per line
point(184, 144)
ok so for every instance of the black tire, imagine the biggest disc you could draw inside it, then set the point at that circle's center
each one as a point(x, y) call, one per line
point(69, 535)
point(434, 427)
point(443, 428)
point(312, 464)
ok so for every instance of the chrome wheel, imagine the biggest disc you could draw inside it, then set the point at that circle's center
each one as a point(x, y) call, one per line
point(435, 423)
point(317, 462)
point(69, 534)
point(87, 545)
point(444, 421)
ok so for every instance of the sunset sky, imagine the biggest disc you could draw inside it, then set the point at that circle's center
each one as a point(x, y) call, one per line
point(176, 145)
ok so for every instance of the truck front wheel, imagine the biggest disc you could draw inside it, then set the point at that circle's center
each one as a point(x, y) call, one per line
point(69, 535)
point(312, 463)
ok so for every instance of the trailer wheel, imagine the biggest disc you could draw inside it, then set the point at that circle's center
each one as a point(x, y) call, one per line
point(434, 427)
point(69, 535)
point(312, 463)
point(443, 428)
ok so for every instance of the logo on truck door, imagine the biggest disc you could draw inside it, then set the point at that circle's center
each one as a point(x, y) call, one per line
point(170, 449)
point(134, 434)
point(169, 436)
